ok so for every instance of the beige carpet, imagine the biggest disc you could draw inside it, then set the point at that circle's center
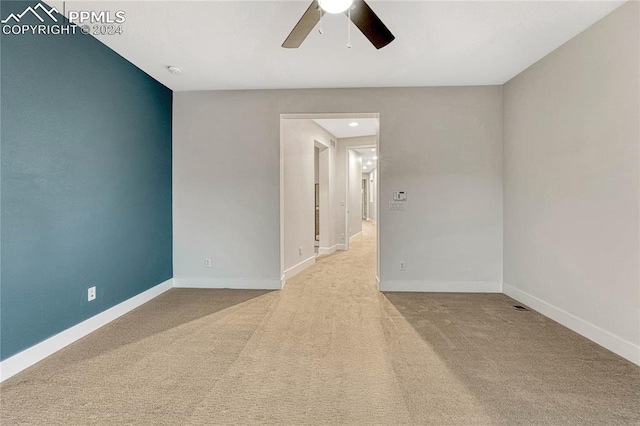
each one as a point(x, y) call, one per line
point(328, 349)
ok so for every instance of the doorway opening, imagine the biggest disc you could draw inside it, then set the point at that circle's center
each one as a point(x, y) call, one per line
point(361, 187)
point(326, 191)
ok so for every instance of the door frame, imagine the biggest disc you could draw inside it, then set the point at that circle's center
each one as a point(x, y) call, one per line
point(311, 116)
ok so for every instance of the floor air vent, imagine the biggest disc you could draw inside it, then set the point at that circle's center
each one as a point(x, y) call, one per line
point(521, 308)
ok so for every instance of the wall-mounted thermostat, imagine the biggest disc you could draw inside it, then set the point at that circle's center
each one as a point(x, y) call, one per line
point(399, 196)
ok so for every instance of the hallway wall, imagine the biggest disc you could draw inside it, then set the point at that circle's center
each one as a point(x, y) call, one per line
point(366, 177)
point(327, 174)
point(443, 145)
point(354, 197)
point(298, 137)
point(373, 194)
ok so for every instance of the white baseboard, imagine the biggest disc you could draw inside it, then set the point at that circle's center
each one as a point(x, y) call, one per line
point(608, 340)
point(233, 283)
point(22, 360)
point(327, 250)
point(355, 235)
point(341, 246)
point(296, 269)
point(442, 286)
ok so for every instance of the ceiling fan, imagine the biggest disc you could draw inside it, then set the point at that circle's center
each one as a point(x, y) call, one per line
point(357, 10)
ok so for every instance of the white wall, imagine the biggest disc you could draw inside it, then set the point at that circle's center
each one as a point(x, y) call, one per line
point(571, 184)
point(443, 145)
point(298, 139)
point(355, 193)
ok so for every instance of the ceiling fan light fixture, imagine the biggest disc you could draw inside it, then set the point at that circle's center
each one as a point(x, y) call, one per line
point(335, 6)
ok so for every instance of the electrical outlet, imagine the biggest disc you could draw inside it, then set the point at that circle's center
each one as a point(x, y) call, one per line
point(300, 251)
point(401, 265)
point(91, 293)
point(207, 263)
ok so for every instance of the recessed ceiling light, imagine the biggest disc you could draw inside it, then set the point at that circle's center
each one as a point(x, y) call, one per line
point(364, 167)
point(375, 157)
point(368, 163)
point(373, 149)
point(174, 70)
point(353, 124)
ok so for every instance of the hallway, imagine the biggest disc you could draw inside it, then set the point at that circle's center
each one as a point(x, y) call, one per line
point(328, 349)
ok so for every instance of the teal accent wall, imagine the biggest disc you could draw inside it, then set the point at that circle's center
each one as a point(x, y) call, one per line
point(85, 182)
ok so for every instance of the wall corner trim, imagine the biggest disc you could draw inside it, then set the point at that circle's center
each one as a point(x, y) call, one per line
point(296, 269)
point(604, 338)
point(327, 250)
point(442, 286)
point(30, 356)
point(357, 234)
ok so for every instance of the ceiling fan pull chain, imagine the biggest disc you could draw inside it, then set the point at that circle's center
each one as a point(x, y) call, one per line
point(320, 30)
point(349, 29)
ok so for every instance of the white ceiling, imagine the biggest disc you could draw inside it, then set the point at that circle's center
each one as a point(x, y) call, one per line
point(236, 44)
point(339, 127)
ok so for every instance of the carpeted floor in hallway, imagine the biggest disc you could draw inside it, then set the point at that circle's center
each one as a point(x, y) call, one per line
point(329, 349)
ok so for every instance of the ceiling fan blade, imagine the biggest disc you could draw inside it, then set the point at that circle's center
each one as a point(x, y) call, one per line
point(304, 26)
point(371, 26)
